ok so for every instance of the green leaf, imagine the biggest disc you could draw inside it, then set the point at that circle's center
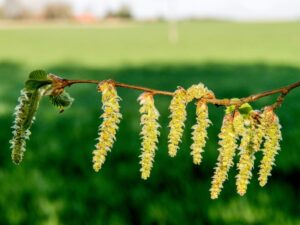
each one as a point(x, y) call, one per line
point(62, 101)
point(37, 79)
point(230, 109)
point(38, 75)
point(245, 109)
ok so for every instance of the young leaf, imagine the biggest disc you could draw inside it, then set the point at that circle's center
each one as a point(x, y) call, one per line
point(62, 101)
point(38, 75)
point(37, 79)
point(245, 109)
point(230, 109)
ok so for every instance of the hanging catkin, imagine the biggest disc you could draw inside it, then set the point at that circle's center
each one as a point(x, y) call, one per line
point(111, 118)
point(149, 133)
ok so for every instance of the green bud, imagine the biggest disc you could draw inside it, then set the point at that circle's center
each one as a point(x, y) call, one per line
point(245, 109)
point(62, 101)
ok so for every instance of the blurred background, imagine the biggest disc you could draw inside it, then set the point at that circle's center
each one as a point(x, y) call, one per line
point(236, 48)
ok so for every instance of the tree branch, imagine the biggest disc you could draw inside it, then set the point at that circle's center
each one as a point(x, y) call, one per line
point(283, 91)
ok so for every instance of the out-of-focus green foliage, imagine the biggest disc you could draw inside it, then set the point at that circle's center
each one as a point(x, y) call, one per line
point(56, 183)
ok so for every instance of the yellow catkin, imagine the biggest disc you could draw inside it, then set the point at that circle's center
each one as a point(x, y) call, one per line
point(111, 118)
point(259, 130)
point(228, 145)
point(247, 158)
point(271, 144)
point(199, 134)
point(149, 133)
point(238, 124)
point(198, 91)
point(178, 117)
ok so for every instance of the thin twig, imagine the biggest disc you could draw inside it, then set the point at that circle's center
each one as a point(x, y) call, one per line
point(283, 91)
point(118, 84)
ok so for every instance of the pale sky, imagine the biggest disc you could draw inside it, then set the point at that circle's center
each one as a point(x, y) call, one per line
point(228, 9)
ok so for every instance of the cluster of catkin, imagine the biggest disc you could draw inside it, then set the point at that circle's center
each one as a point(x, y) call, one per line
point(149, 120)
point(244, 131)
point(257, 131)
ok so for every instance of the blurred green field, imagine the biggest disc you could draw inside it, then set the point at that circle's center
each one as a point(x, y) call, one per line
point(56, 184)
point(139, 44)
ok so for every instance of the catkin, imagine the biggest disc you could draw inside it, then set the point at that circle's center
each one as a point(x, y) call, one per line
point(198, 91)
point(24, 118)
point(199, 134)
point(271, 144)
point(111, 118)
point(227, 149)
point(246, 162)
point(238, 124)
point(149, 133)
point(259, 130)
point(178, 117)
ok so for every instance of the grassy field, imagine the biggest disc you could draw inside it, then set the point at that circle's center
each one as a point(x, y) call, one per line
point(56, 184)
point(139, 44)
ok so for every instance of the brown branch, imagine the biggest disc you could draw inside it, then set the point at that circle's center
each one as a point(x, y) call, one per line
point(118, 84)
point(153, 91)
point(283, 91)
point(252, 98)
